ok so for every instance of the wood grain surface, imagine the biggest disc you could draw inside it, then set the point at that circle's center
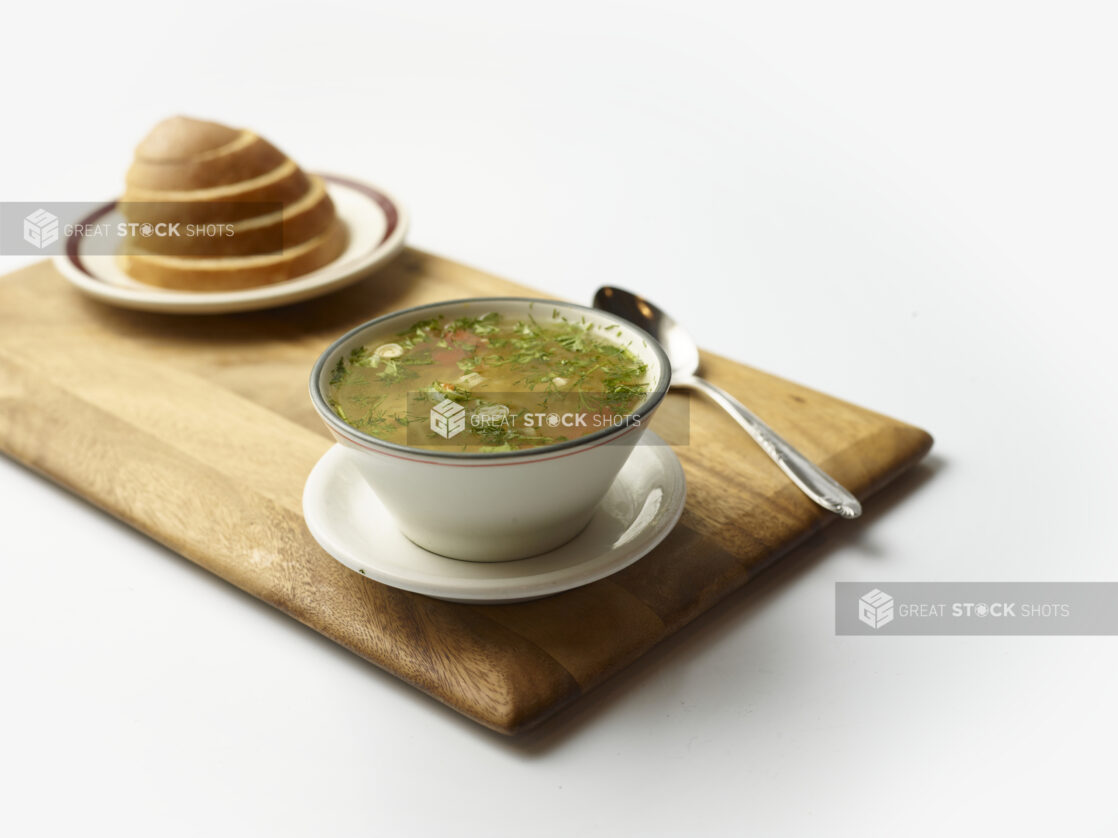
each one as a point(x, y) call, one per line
point(199, 432)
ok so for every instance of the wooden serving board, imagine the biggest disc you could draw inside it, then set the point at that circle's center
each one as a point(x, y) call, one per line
point(199, 432)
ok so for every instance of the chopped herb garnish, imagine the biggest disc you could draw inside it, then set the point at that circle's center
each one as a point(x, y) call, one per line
point(338, 375)
point(516, 370)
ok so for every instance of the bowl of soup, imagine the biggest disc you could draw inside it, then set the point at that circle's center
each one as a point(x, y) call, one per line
point(490, 428)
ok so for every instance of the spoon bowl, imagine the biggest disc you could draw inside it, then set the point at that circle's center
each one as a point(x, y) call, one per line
point(683, 356)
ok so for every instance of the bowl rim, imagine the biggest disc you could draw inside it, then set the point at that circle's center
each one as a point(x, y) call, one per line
point(632, 420)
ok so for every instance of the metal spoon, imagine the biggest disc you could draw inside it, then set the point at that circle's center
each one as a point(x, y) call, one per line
point(683, 354)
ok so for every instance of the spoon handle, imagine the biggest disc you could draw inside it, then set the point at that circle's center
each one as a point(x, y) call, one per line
point(815, 483)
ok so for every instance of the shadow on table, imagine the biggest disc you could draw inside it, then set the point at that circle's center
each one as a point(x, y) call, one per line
point(718, 622)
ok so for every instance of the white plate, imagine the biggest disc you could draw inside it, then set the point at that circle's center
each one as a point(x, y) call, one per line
point(639, 510)
point(376, 224)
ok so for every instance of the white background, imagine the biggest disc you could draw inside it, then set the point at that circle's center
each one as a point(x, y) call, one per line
point(912, 206)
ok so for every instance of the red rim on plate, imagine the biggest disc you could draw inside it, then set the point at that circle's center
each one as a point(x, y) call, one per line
point(361, 258)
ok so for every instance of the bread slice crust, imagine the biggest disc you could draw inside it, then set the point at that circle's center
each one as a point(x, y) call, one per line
point(232, 273)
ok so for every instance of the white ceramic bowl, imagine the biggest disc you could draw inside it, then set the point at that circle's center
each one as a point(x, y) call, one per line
point(503, 505)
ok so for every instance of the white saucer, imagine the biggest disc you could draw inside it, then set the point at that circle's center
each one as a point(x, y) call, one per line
point(376, 223)
point(640, 509)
